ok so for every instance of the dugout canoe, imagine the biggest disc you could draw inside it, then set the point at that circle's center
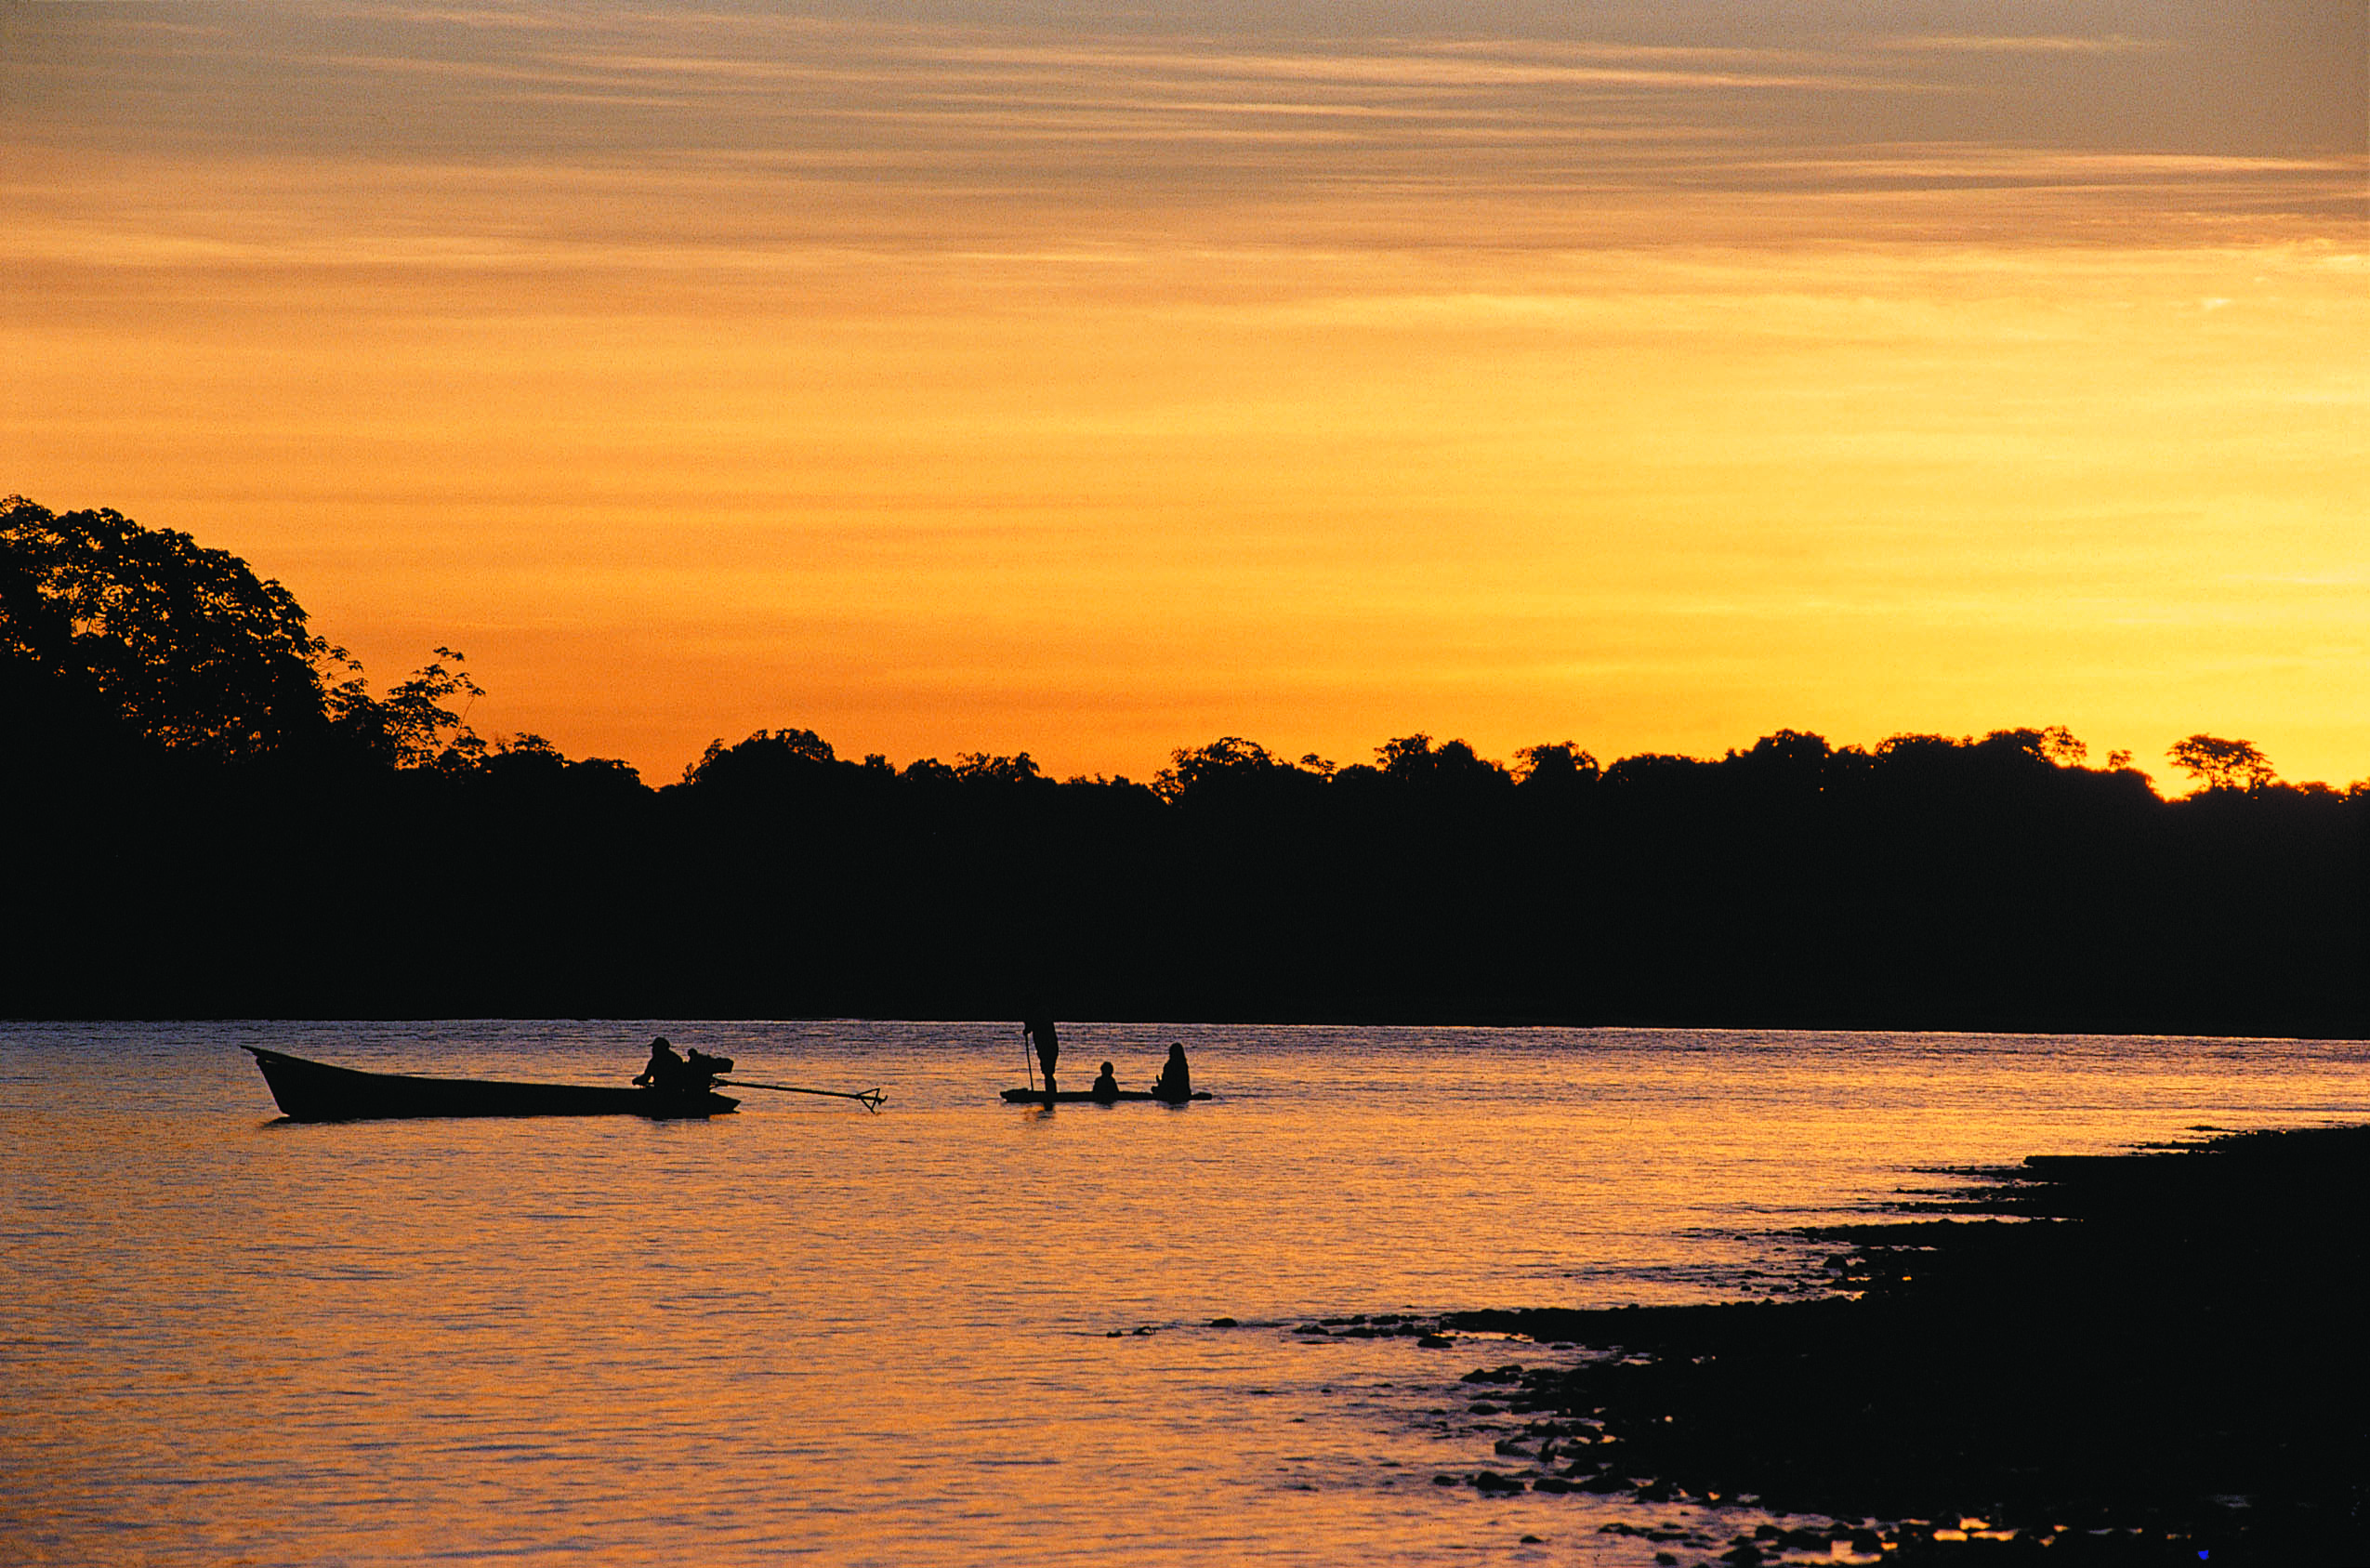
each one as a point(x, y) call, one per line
point(1087, 1097)
point(313, 1091)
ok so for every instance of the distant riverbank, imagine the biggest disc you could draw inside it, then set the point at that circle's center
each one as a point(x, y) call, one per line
point(2154, 1357)
point(222, 795)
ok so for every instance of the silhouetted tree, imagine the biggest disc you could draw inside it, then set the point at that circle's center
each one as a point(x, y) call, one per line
point(414, 725)
point(1555, 768)
point(144, 635)
point(182, 646)
point(1791, 760)
point(981, 767)
point(1651, 769)
point(766, 753)
point(2220, 764)
point(2055, 745)
point(1230, 771)
point(1414, 761)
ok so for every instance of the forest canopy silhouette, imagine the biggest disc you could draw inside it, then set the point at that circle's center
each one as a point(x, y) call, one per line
point(215, 815)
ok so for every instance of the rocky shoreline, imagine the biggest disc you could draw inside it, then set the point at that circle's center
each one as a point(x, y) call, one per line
point(2154, 1357)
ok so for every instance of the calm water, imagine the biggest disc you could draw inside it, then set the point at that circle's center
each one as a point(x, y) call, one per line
point(802, 1331)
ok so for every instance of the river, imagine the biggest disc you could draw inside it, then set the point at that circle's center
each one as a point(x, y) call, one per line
point(954, 1332)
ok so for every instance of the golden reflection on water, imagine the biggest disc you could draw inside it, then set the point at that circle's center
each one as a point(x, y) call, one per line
point(801, 1330)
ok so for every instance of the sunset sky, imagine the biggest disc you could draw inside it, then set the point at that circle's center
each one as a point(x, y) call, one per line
point(1095, 380)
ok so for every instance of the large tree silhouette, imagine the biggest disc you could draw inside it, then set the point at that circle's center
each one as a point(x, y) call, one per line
point(181, 646)
point(113, 635)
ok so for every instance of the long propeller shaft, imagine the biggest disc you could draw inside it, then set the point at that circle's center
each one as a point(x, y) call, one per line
point(869, 1098)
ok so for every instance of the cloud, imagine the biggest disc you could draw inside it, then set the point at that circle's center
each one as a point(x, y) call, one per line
point(2023, 43)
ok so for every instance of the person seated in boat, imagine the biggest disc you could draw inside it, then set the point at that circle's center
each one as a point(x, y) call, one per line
point(700, 1070)
point(1106, 1087)
point(1175, 1080)
point(665, 1072)
point(1040, 1031)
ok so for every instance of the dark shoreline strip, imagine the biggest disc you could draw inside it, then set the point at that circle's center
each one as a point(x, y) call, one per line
point(2155, 1357)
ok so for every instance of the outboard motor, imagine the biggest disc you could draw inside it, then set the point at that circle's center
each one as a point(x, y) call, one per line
point(705, 1069)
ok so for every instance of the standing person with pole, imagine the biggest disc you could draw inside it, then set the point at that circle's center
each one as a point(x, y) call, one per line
point(1039, 1029)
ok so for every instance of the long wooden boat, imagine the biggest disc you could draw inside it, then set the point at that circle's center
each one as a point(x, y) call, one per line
point(313, 1091)
point(1088, 1097)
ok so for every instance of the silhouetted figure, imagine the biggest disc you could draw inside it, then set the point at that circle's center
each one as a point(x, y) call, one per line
point(1176, 1081)
point(1106, 1087)
point(669, 1073)
point(665, 1072)
point(1041, 1035)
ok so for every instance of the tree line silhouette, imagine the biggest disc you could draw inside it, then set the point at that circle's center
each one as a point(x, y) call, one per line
point(212, 814)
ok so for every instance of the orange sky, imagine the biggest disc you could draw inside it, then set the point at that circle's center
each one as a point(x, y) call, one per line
point(950, 378)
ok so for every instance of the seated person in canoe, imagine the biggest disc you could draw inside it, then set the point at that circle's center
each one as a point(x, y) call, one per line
point(1176, 1081)
point(665, 1071)
point(670, 1074)
point(1106, 1087)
